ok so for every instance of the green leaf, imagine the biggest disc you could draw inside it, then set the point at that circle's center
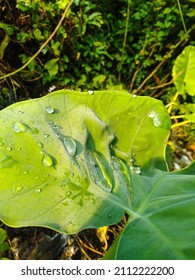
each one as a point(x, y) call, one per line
point(3, 245)
point(162, 219)
point(190, 117)
point(52, 66)
point(65, 159)
point(184, 71)
point(2, 235)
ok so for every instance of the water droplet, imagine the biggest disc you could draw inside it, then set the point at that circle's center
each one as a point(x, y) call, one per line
point(156, 119)
point(19, 127)
point(38, 190)
point(20, 112)
point(25, 172)
point(9, 149)
point(49, 110)
point(47, 160)
point(99, 171)
point(37, 177)
point(70, 145)
point(134, 95)
point(91, 92)
point(55, 127)
point(46, 137)
point(136, 169)
point(40, 145)
point(19, 188)
point(19, 149)
point(68, 193)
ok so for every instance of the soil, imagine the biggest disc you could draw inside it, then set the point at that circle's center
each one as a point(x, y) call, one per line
point(37, 243)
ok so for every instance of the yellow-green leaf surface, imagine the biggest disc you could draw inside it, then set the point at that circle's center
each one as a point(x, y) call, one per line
point(64, 158)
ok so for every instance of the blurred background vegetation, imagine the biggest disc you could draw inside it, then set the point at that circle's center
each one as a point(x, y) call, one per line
point(100, 44)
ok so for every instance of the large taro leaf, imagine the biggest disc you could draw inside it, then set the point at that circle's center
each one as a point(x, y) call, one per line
point(64, 158)
point(162, 218)
point(184, 71)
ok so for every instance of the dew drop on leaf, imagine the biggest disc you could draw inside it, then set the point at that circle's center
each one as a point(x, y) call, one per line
point(47, 160)
point(156, 119)
point(40, 145)
point(70, 146)
point(91, 92)
point(19, 188)
point(38, 190)
point(46, 137)
point(19, 127)
point(49, 110)
point(25, 172)
point(9, 149)
point(136, 169)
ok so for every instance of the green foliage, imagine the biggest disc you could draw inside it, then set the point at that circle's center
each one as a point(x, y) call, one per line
point(99, 44)
point(3, 244)
point(74, 164)
point(184, 72)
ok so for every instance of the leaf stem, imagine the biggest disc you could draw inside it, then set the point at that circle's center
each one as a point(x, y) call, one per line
point(125, 40)
point(177, 117)
point(173, 102)
point(181, 14)
point(179, 124)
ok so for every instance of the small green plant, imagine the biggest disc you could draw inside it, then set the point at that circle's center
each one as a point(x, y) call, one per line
point(183, 76)
point(3, 244)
